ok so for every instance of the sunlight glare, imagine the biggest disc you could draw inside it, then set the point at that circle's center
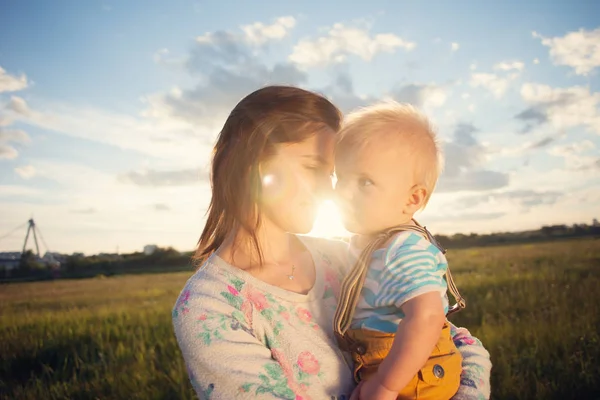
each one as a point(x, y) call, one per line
point(328, 223)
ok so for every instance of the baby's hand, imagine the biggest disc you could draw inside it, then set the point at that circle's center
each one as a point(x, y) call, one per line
point(374, 390)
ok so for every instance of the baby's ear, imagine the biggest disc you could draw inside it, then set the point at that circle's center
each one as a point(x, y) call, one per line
point(416, 198)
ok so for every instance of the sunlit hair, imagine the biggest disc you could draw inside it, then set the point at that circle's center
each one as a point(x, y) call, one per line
point(402, 125)
point(261, 121)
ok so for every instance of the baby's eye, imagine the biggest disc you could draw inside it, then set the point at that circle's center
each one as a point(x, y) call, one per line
point(364, 182)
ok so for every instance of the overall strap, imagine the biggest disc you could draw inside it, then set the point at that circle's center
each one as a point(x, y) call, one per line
point(354, 281)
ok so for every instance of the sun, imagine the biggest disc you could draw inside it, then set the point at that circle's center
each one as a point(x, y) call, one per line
point(329, 222)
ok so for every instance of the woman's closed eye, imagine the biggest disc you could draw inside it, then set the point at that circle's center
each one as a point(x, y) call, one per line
point(318, 169)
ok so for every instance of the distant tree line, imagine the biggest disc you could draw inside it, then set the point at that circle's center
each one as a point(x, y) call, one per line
point(79, 266)
point(169, 259)
point(545, 233)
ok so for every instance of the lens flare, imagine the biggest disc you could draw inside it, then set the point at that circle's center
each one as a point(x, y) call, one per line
point(329, 222)
point(268, 180)
point(277, 188)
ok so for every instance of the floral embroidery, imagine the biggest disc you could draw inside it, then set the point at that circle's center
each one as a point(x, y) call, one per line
point(258, 300)
point(213, 326)
point(283, 379)
point(306, 317)
point(232, 290)
point(304, 314)
point(182, 304)
point(308, 363)
point(332, 283)
point(325, 259)
point(232, 295)
point(277, 379)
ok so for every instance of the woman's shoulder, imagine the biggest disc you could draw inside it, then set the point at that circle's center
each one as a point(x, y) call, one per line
point(208, 288)
point(333, 248)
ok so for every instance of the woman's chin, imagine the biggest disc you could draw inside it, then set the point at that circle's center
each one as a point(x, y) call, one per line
point(300, 227)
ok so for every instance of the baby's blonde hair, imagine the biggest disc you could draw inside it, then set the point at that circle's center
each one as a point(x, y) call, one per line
point(398, 120)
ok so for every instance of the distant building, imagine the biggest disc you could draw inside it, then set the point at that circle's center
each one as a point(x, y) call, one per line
point(53, 259)
point(10, 260)
point(595, 223)
point(150, 249)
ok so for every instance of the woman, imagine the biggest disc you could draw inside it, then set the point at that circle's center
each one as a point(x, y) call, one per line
point(255, 320)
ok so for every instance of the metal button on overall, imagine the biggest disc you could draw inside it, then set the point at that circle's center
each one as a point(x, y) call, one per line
point(360, 349)
point(438, 371)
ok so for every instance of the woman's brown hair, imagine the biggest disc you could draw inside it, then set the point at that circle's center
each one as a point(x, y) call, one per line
point(265, 118)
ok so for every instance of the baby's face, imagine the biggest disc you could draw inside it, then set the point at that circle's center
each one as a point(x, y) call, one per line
point(373, 186)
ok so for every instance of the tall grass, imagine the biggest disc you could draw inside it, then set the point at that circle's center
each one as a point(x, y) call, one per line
point(535, 307)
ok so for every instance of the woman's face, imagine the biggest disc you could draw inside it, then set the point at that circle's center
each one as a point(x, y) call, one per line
point(295, 180)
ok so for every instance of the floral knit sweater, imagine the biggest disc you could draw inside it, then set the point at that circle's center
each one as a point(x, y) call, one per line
point(243, 338)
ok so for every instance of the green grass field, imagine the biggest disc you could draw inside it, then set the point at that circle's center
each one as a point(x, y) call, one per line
point(535, 307)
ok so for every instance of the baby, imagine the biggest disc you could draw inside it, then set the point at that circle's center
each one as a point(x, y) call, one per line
point(392, 311)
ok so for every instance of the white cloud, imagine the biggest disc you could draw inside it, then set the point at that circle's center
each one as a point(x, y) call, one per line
point(562, 107)
point(18, 105)
point(495, 84)
point(465, 161)
point(572, 148)
point(519, 150)
point(579, 50)
point(11, 83)
point(421, 95)
point(14, 135)
point(342, 41)
point(163, 57)
point(26, 171)
point(18, 190)
point(259, 33)
point(229, 68)
point(574, 155)
point(510, 65)
point(5, 120)
point(153, 178)
point(8, 152)
point(159, 55)
point(166, 138)
point(536, 61)
point(523, 200)
point(473, 66)
point(124, 214)
point(454, 46)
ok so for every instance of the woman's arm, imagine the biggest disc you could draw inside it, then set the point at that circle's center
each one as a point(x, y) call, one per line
point(476, 366)
point(224, 359)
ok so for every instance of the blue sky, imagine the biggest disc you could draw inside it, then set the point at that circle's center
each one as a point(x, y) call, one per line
point(108, 110)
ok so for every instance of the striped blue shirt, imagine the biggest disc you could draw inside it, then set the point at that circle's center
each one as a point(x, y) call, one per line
point(408, 267)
